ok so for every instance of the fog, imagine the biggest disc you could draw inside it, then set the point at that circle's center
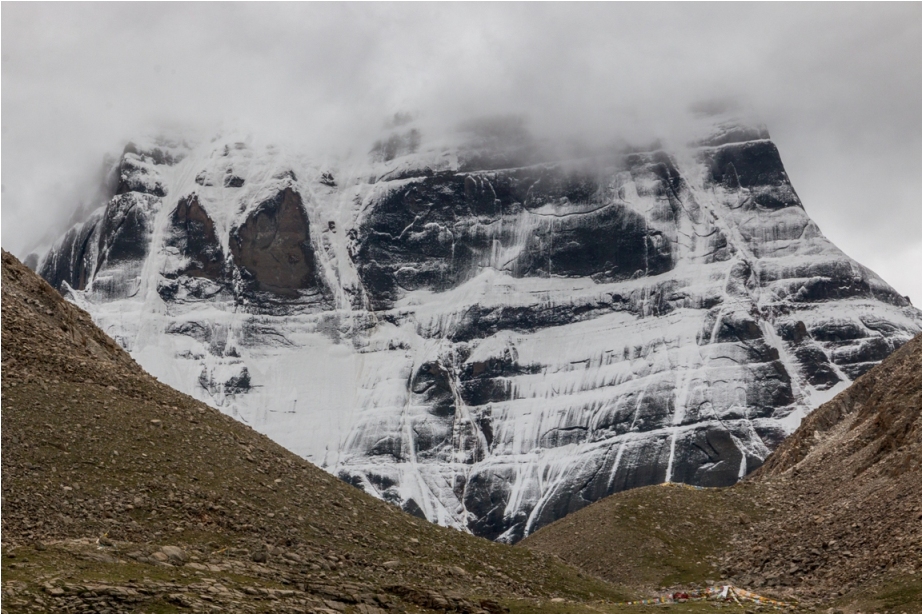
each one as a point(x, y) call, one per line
point(838, 85)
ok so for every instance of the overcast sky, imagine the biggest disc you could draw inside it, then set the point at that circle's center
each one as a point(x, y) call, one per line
point(839, 86)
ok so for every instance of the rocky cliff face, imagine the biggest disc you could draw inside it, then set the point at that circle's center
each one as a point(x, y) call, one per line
point(487, 335)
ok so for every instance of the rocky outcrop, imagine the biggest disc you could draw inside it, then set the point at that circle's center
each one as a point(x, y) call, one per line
point(273, 246)
point(108, 250)
point(484, 333)
point(72, 260)
point(442, 231)
point(193, 234)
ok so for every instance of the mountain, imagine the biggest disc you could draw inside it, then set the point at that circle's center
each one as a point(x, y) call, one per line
point(123, 495)
point(833, 517)
point(485, 329)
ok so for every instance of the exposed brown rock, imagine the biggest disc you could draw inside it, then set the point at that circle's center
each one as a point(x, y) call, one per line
point(273, 246)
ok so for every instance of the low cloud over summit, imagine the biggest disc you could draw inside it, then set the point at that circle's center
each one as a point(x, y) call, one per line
point(838, 86)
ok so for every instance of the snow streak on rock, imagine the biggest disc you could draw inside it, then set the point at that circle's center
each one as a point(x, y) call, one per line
point(487, 337)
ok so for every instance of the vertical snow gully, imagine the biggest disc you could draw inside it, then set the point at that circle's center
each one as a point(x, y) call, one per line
point(540, 266)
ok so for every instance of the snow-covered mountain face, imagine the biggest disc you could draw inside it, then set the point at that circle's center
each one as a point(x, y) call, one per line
point(487, 337)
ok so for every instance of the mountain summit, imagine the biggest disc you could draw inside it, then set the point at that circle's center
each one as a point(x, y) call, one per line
point(484, 332)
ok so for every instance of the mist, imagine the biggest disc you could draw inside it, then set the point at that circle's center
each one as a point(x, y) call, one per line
point(838, 85)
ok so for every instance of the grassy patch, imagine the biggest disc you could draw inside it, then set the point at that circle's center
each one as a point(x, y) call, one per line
point(901, 594)
point(653, 536)
point(522, 606)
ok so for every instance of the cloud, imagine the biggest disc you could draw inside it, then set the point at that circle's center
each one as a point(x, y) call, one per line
point(839, 86)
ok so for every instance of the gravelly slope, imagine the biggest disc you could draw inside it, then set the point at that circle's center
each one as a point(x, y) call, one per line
point(489, 335)
point(121, 494)
point(851, 479)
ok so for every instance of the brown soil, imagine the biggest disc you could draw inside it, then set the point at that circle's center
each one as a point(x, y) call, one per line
point(849, 482)
point(121, 494)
